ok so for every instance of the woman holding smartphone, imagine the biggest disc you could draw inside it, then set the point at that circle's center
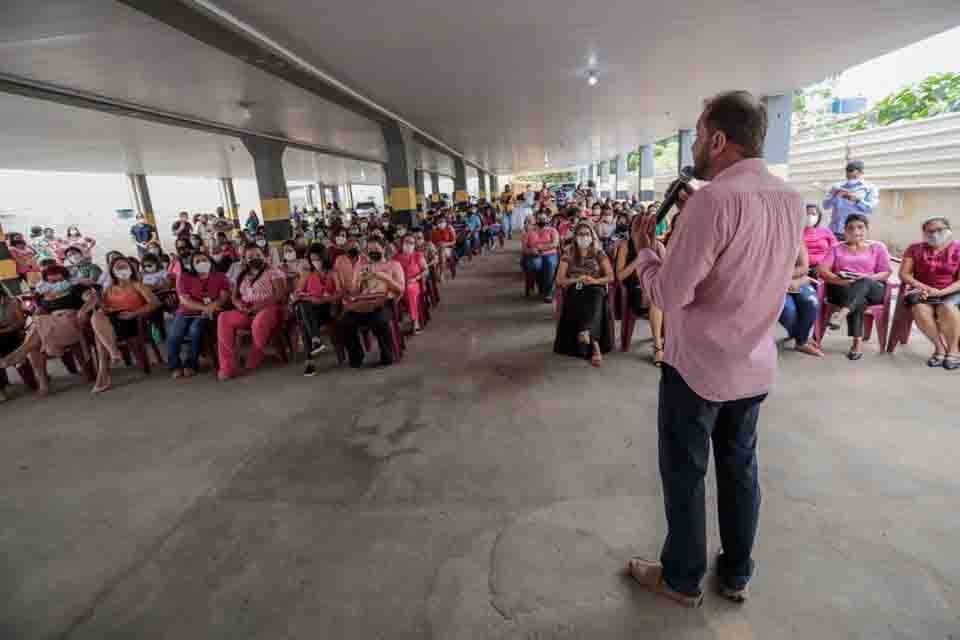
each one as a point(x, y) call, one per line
point(856, 272)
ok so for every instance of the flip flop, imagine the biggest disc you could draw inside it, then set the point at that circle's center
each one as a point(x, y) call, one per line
point(936, 360)
point(854, 355)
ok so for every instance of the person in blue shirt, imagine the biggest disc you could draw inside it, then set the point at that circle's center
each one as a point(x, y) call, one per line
point(253, 222)
point(143, 234)
point(474, 222)
point(856, 195)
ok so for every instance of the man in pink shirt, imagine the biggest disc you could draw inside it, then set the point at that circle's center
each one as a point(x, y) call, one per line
point(721, 288)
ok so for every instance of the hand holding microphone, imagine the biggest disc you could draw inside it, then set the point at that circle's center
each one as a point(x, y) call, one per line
point(677, 193)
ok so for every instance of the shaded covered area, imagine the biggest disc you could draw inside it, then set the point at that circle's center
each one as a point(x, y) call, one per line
point(484, 488)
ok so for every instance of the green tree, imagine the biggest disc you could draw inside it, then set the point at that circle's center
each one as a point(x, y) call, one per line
point(934, 95)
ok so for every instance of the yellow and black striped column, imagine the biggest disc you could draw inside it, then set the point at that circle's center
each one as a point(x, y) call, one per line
point(421, 191)
point(8, 266)
point(435, 188)
point(229, 198)
point(140, 198)
point(400, 173)
point(272, 186)
point(460, 193)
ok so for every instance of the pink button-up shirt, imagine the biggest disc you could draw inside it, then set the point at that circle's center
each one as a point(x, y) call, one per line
point(722, 282)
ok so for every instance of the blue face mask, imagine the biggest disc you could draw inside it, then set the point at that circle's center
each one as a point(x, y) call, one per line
point(58, 287)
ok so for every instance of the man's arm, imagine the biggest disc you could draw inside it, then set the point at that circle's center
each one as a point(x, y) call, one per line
point(869, 201)
point(694, 247)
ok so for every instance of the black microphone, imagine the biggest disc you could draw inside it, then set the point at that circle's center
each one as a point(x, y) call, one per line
point(672, 195)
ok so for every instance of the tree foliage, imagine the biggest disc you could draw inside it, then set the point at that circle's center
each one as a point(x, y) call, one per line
point(934, 95)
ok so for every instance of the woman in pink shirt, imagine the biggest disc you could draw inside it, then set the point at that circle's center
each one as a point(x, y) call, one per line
point(856, 272)
point(202, 293)
point(414, 266)
point(540, 248)
point(818, 240)
point(318, 290)
point(932, 269)
point(259, 303)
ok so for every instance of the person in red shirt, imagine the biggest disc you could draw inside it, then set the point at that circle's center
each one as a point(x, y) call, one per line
point(932, 269)
point(318, 289)
point(203, 293)
point(540, 248)
point(818, 240)
point(444, 237)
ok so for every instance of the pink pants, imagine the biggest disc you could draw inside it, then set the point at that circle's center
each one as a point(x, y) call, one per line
point(261, 326)
point(412, 298)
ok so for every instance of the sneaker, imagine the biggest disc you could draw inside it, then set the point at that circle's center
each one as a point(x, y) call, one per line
point(310, 371)
point(650, 575)
point(318, 348)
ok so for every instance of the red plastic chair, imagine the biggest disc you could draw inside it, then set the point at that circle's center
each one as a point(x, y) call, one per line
point(902, 322)
point(878, 314)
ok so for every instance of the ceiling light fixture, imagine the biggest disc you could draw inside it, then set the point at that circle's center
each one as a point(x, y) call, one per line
point(592, 78)
point(245, 111)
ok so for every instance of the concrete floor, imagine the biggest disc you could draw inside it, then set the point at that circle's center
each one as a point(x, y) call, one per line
point(483, 488)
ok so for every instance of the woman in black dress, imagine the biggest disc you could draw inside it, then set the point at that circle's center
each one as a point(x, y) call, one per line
point(584, 329)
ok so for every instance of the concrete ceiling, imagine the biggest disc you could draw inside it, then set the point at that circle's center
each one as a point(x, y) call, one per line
point(504, 82)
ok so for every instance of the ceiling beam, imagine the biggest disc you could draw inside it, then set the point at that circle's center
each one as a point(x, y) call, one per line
point(216, 27)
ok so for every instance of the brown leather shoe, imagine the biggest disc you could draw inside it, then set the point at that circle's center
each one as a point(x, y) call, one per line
point(650, 575)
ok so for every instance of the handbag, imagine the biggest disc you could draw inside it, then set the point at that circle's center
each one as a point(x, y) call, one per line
point(364, 303)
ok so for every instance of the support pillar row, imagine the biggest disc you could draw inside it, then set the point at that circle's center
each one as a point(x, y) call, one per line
point(400, 173)
point(461, 195)
point(621, 187)
point(684, 149)
point(776, 149)
point(647, 173)
point(272, 186)
point(418, 185)
point(229, 198)
point(435, 188)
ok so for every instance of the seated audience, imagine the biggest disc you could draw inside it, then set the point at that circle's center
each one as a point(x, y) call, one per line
point(856, 272)
point(28, 268)
point(627, 275)
point(317, 294)
point(932, 270)
point(445, 239)
point(584, 329)
point(202, 293)
point(540, 255)
point(154, 275)
point(82, 270)
point(76, 239)
point(370, 293)
point(259, 305)
point(124, 302)
point(801, 306)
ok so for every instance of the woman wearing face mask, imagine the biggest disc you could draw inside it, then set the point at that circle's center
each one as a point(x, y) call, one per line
point(154, 275)
point(856, 272)
point(12, 323)
point(223, 254)
point(932, 270)
point(105, 281)
point(202, 294)
point(540, 255)
point(76, 239)
point(627, 254)
point(184, 250)
point(369, 298)
point(259, 303)
point(28, 267)
point(124, 303)
point(82, 270)
point(351, 261)
point(318, 290)
point(584, 329)
point(445, 239)
point(606, 231)
point(62, 312)
point(289, 262)
point(818, 240)
point(414, 266)
point(339, 245)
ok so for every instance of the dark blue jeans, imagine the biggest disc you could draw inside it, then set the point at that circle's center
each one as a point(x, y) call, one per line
point(192, 327)
point(546, 269)
point(800, 313)
point(687, 424)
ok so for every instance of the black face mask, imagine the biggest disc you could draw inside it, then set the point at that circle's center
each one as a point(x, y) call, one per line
point(256, 263)
point(376, 256)
point(327, 264)
point(541, 223)
point(354, 253)
point(184, 252)
point(621, 228)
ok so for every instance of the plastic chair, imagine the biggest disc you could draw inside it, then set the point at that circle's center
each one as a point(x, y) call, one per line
point(26, 373)
point(280, 339)
point(136, 346)
point(878, 314)
point(611, 320)
point(902, 322)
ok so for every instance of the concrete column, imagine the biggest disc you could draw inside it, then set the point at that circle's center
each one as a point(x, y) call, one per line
point(460, 181)
point(229, 199)
point(648, 173)
point(685, 149)
point(435, 188)
point(140, 199)
point(272, 186)
point(400, 169)
point(8, 267)
point(622, 188)
point(776, 150)
point(591, 173)
point(482, 193)
point(494, 187)
point(418, 185)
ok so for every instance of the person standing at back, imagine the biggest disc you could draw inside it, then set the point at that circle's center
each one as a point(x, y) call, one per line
point(856, 195)
point(721, 287)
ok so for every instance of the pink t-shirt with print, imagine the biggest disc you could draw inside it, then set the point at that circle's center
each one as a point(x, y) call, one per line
point(261, 290)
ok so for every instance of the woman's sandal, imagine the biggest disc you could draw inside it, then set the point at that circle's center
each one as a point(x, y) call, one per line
point(597, 358)
point(854, 355)
point(658, 355)
point(936, 360)
point(951, 362)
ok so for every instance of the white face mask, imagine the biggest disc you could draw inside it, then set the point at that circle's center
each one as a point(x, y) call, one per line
point(203, 268)
point(290, 256)
point(938, 238)
point(584, 242)
point(261, 242)
point(812, 221)
point(123, 274)
point(74, 260)
point(442, 225)
point(408, 248)
point(340, 241)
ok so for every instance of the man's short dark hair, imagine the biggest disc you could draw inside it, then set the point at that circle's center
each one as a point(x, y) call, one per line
point(741, 117)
